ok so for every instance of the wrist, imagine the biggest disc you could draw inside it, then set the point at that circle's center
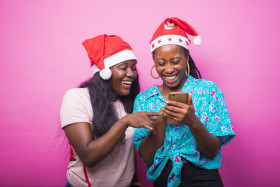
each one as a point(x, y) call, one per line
point(193, 123)
point(124, 121)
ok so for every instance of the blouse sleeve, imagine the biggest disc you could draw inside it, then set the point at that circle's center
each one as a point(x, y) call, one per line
point(73, 110)
point(219, 123)
point(139, 133)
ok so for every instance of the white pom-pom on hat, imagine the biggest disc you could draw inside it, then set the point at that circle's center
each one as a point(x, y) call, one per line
point(197, 40)
point(105, 74)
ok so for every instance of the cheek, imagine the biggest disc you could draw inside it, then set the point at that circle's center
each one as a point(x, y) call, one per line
point(116, 76)
point(135, 74)
point(181, 67)
point(159, 69)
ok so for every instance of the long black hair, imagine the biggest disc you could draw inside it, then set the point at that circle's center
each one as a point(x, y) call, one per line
point(104, 115)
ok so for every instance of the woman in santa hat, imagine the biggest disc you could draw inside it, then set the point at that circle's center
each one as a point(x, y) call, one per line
point(187, 152)
point(96, 119)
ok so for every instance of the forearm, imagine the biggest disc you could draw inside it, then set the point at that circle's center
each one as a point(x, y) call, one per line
point(99, 148)
point(207, 143)
point(151, 143)
point(91, 150)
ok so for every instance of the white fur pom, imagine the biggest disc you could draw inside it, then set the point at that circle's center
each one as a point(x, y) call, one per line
point(197, 40)
point(105, 74)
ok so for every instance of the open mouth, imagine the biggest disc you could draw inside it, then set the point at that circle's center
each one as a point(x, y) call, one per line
point(170, 78)
point(127, 83)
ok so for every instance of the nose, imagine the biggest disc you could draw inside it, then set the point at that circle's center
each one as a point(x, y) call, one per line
point(131, 73)
point(169, 69)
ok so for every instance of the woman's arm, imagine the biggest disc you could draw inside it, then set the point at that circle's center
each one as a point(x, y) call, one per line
point(90, 150)
point(153, 141)
point(184, 113)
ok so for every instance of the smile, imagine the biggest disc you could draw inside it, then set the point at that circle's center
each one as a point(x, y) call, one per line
point(127, 83)
point(170, 77)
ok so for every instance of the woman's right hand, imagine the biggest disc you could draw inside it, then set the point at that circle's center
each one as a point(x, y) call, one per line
point(141, 119)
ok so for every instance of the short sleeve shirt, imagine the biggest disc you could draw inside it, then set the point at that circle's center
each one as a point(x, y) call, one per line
point(210, 108)
point(116, 169)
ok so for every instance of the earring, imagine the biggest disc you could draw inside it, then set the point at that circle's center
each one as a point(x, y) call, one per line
point(188, 69)
point(152, 73)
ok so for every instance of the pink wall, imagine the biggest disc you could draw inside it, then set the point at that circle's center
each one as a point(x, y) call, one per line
point(41, 57)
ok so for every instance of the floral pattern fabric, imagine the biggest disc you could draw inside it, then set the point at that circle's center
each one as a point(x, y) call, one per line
point(210, 108)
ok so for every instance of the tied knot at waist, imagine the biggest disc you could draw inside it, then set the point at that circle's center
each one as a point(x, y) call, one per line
point(177, 161)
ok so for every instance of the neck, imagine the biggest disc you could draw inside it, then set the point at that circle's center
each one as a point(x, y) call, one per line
point(165, 90)
point(114, 97)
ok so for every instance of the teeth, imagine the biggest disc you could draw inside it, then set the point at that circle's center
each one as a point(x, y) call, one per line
point(127, 82)
point(170, 77)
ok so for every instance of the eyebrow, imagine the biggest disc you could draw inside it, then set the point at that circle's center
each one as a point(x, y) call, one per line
point(170, 59)
point(126, 63)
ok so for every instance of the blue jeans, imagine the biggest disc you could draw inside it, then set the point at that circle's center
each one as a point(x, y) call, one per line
point(67, 184)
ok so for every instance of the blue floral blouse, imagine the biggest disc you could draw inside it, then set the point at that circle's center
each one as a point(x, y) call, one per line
point(211, 109)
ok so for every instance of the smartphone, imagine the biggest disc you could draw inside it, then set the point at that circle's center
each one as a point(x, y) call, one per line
point(179, 97)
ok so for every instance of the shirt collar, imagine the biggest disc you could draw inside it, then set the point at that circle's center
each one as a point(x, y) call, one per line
point(155, 91)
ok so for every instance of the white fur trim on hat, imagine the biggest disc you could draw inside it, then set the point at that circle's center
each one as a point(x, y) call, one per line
point(113, 60)
point(197, 40)
point(119, 57)
point(94, 69)
point(170, 39)
point(105, 74)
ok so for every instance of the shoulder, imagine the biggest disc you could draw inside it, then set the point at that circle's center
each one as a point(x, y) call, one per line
point(75, 107)
point(203, 83)
point(142, 96)
point(76, 96)
point(76, 93)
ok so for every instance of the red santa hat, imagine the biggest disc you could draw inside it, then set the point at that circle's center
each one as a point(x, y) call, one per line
point(105, 51)
point(173, 31)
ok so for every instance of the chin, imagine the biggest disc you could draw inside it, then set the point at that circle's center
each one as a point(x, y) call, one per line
point(172, 85)
point(124, 93)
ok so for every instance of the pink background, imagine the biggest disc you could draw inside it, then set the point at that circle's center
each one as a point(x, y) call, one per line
point(41, 56)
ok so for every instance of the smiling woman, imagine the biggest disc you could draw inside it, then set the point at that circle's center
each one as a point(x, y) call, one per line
point(96, 117)
point(186, 153)
point(170, 65)
point(123, 76)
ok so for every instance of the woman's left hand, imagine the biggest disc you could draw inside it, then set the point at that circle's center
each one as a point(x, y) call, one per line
point(181, 112)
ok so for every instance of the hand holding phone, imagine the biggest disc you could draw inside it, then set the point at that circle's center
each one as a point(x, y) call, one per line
point(179, 97)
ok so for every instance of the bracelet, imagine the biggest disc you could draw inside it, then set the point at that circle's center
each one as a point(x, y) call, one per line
point(136, 184)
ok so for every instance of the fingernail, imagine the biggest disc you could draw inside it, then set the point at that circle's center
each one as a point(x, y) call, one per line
point(151, 128)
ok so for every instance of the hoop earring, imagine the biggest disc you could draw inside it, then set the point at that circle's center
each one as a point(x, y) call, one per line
point(188, 69)
point(152, 73)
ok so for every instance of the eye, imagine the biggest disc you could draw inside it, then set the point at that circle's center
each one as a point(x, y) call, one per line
point(133, 68)
point(176, 62)
point(160, 63)
point(122, 68)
